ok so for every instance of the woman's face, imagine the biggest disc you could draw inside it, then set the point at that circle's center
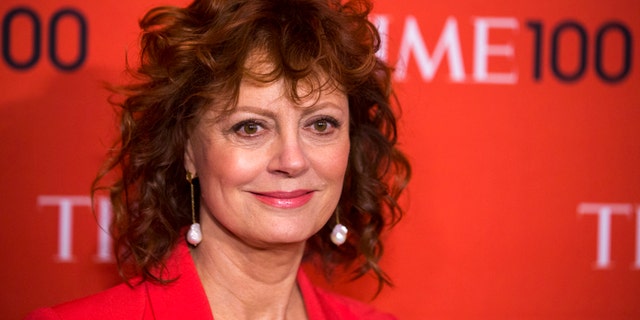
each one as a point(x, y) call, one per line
point(271, 171)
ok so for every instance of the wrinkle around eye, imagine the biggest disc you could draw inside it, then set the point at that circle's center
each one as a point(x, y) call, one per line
point(237, 135)
point(248, 128)
point(330, 124)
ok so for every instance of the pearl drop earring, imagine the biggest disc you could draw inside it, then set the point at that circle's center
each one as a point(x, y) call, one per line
point(194, 235)
point(339, 233)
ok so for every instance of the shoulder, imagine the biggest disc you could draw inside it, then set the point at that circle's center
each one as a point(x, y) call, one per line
point(119, 302)
point(182, 298)
point(322, 304)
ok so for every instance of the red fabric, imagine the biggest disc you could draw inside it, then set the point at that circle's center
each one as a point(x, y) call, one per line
point(185, 299)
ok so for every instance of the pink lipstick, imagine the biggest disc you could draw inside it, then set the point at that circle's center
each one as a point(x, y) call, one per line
point(285, 199)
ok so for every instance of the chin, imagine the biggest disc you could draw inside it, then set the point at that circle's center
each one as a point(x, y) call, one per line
point(290, 239)
point(287, 237)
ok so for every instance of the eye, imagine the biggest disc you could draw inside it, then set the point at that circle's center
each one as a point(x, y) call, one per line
point(324, 125)
point(321, 125)
point(247, 128)
point(250, 128)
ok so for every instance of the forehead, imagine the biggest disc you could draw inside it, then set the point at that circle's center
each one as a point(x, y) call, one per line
point(278, 93)
point(264, 81)
point(263, 78)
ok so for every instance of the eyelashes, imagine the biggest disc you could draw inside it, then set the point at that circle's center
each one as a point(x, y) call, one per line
point(321, 126)
point(325, 124)
point(249, 127)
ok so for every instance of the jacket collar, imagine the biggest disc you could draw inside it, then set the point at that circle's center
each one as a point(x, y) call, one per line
point(183, 298)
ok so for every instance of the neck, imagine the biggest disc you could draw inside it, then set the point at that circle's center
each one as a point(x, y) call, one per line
point(249, 282)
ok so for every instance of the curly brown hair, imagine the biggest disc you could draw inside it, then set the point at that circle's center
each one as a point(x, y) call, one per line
point(192, 58)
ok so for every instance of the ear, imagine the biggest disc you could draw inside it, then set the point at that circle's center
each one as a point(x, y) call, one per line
point(189, 163)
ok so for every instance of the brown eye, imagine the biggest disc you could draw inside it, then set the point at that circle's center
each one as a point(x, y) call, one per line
point(321, 125)
point(250, 128)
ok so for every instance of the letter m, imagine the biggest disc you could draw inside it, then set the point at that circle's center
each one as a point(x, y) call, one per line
point(449, 42)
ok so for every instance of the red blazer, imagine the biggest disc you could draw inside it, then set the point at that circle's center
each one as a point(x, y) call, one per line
point(185, 299)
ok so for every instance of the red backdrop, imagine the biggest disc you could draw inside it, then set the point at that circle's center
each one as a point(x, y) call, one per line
point(520, 117)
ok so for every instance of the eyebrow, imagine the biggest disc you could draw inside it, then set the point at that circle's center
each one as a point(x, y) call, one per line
point(271, 114)
point(322, 105)
point(257, 110)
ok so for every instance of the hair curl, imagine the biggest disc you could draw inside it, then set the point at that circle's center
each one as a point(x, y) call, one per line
point(192, 58)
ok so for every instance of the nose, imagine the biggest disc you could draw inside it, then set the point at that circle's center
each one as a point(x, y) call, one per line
point(289, 158)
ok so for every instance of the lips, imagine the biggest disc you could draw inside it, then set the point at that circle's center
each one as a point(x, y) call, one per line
point(285, 199)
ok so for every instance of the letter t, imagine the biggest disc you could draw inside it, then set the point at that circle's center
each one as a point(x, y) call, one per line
point(604, 211)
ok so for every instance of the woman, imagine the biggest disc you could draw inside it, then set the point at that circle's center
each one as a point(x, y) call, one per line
point(260, 135)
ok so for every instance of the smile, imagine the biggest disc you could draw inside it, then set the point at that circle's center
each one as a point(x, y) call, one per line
point(284, 199)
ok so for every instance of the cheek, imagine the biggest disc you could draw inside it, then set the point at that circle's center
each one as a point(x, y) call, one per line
point(333, 164)
point(230, 166)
